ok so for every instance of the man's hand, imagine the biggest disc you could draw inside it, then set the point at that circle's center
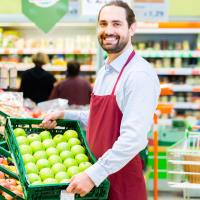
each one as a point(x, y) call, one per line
point(80, 184)
point(49, 121)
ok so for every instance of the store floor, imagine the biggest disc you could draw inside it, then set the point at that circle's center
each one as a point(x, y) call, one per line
point(167, 196)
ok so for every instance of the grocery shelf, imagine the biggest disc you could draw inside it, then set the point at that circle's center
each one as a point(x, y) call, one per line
point(187, 105)
point(183, 105)
point(185, 88)
point(28, 51)
point(178, 71)
point(169, 53)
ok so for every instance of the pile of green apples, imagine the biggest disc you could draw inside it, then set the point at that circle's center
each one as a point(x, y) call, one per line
point(50, 159)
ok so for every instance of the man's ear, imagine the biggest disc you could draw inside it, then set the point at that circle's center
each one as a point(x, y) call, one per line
point(132, 29)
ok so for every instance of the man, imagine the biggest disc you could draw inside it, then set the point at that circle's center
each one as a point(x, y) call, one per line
point(122, 106)
point(73, 82)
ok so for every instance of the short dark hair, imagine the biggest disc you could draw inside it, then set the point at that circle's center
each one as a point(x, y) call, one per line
point(73, 68)
point(130, 15)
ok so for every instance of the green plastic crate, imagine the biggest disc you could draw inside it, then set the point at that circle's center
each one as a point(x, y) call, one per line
point(50, 191)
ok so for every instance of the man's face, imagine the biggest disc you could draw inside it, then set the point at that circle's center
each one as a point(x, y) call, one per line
point(113, 31)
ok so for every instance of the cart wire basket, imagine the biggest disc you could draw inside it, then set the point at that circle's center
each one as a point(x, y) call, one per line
point(183, 162)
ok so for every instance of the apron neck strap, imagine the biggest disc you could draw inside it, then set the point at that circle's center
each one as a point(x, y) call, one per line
point(126, 63)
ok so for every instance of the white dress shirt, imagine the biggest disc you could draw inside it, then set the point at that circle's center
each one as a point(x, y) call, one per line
point(137, 95)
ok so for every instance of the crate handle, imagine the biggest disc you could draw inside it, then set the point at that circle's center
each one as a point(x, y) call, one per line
point(10, 193)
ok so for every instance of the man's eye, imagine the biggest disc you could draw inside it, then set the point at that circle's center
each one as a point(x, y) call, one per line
point(102, 24)
point(116, 24)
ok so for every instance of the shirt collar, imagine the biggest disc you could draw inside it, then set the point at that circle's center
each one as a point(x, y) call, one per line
point(119, 62)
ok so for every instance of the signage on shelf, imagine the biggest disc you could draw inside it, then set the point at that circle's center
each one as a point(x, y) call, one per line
point(44, 13)
point(92, 7)
point(151, 10)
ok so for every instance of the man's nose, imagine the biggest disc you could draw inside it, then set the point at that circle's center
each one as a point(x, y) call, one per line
point(109, 29)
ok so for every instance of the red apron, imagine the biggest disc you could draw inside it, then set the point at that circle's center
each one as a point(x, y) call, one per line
point(103, 130)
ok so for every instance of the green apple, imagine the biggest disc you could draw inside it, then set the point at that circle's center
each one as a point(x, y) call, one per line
point(73, 141)
point(73, 171)
point(77, 149)
point(66, 154)
point(58, 167)
point(22, 140)
point(81, 158)
point(62, 146)
point(46, 173)
point(45, 135)
point(25, 149)
point(43, 163)
point(70, 162)
point(70, 134)
point(50, 181)
point(28, 158)
point(40, 154)
point(48, 143)
point(58, 138)
point(31, 168)
point(19, 132)
point(84, 165)
point(65, 180)
point(61, 175)
point(52, 151)
point(36, 146)
point(37, 183)
point(33, 178)
point(54, 159)
point(33, 137)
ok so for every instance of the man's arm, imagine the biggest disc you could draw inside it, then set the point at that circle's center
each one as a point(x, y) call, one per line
point(49, 121)
point(138, 107)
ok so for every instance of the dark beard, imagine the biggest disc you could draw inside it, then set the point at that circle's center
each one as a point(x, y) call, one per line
point(114, 49)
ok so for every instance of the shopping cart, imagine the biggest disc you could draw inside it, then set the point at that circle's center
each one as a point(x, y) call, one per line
point(183, 165)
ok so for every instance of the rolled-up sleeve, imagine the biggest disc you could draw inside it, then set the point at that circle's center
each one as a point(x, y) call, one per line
point(79, 115)
point(138, 102)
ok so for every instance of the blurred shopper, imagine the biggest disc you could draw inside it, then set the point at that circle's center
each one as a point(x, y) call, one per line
point(36, 83)
point(75, 89)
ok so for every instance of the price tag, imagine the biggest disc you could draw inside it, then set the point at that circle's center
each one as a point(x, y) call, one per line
point(151, 10)
point(64, 195)
point(92, 7)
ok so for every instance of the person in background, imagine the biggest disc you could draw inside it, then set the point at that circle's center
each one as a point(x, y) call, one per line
point(75, 89)
point(36, 83)
point(122, 107)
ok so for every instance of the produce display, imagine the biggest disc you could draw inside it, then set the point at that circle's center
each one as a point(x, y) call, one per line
point(51, 159)
point(7, 182)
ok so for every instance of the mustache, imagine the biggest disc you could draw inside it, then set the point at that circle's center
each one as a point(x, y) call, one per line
point(109, 35)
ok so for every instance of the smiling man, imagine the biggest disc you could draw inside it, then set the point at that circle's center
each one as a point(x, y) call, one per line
point(121, 112)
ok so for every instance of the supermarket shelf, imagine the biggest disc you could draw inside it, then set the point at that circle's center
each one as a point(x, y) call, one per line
point(185, 88)
point(167, 30)
point(169, 53)
point(184, 185)
point(144, 53)
point(45, 50)
point(184, 105)
point(23, 67)
point(178, 71)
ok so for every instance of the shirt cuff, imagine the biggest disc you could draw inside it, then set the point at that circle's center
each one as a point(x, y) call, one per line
point(97, 173)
